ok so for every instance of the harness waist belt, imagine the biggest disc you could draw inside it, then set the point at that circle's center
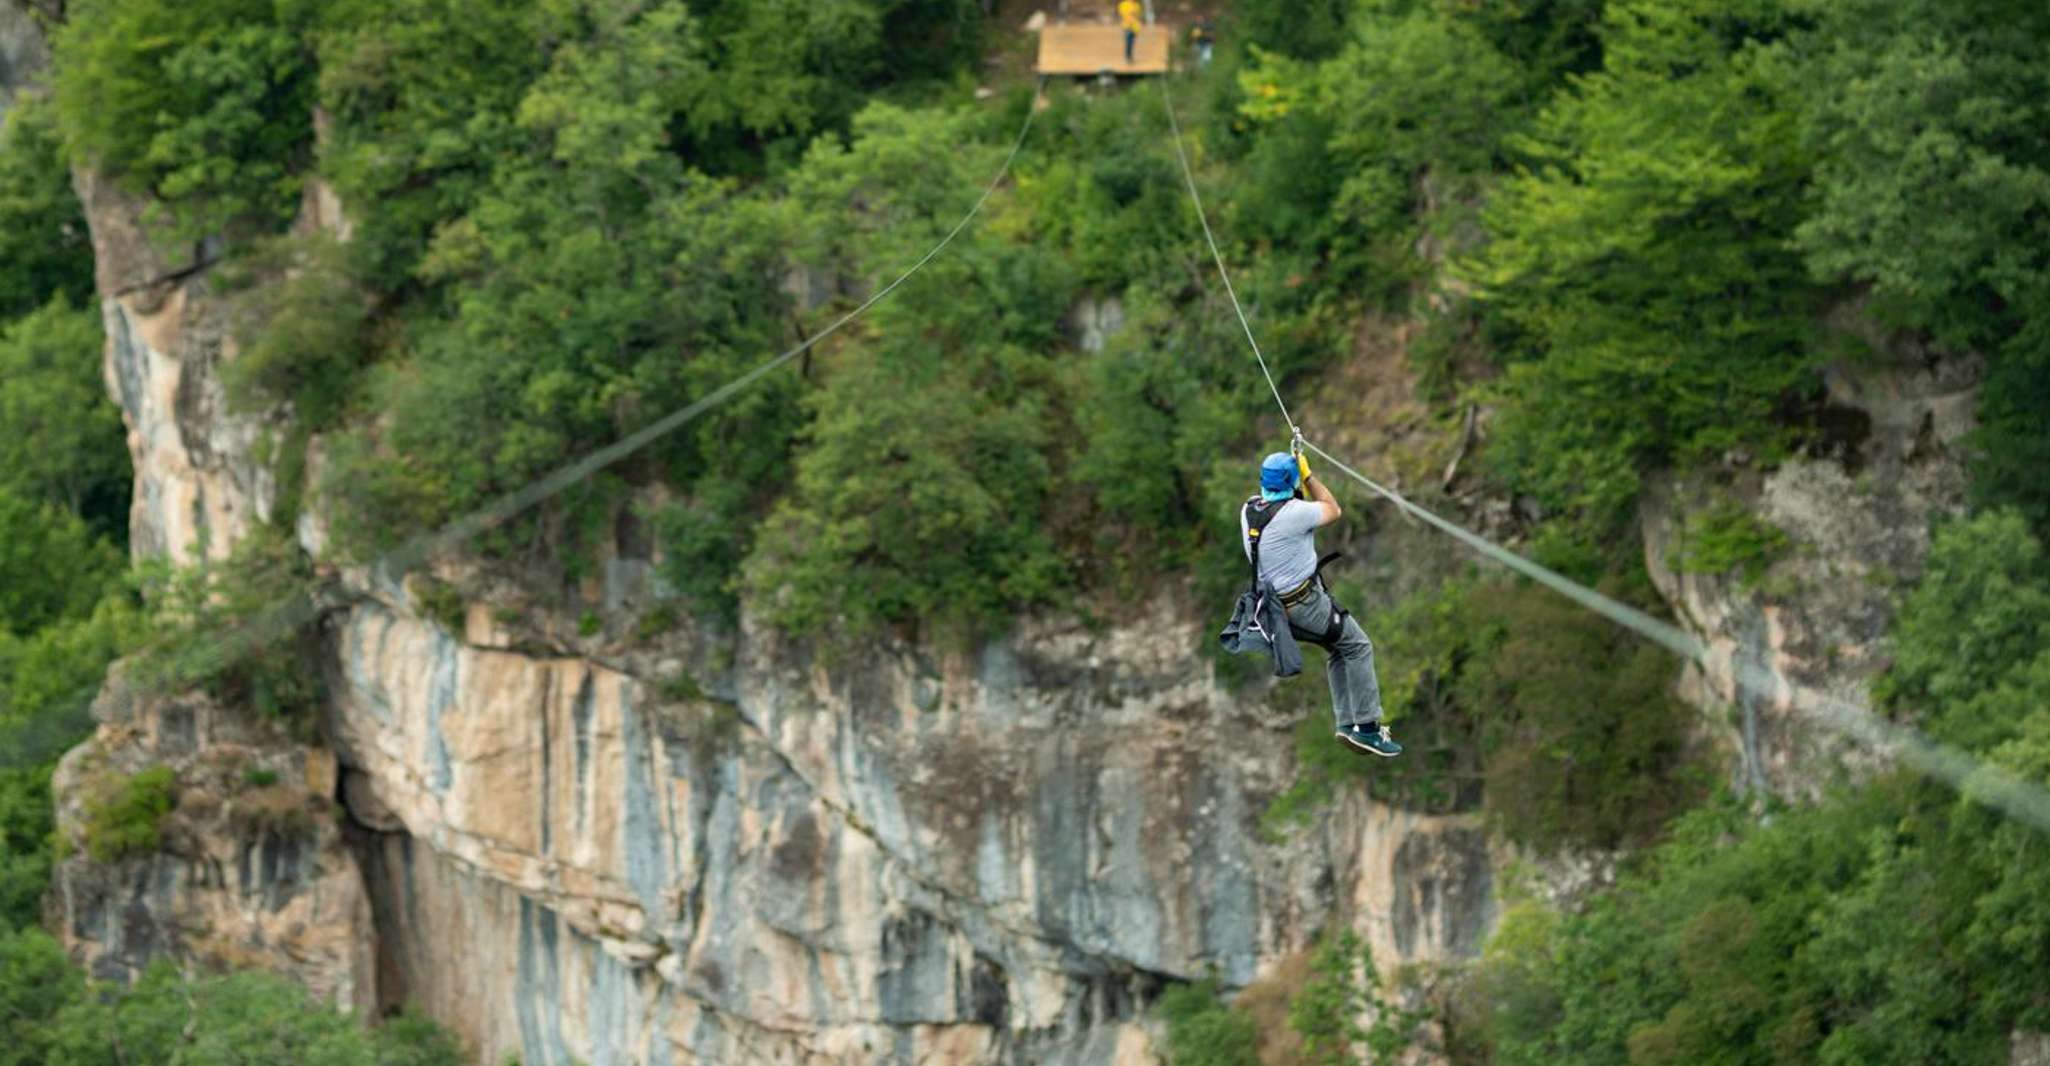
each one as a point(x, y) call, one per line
point(1299, 593)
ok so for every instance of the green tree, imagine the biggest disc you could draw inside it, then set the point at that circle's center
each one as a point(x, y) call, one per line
point(421, 108)
point(595, 286)
point(922, 488)
point(25, 818)
point(1932, 189)
point(305, 332)
point(61, 439)
point(1643, 252)
point(1980, 614)
point(206, 105)
point(911, 503)
point(36, 983)
point(1306, 29)
point(1933, 183)
point(1344, 985)
point(47, 683)
point(1422, 88)
point(45, 249)
point(51, 565)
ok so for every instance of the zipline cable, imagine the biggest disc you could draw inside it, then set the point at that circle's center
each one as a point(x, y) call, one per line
point(1970, 776)
point(519, 500)
point(26, 741)
point(1189, 175)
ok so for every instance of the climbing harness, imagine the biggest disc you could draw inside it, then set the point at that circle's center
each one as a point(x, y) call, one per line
point(1258, 513)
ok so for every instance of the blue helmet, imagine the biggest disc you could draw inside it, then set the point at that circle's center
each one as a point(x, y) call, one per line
point(1278, 475)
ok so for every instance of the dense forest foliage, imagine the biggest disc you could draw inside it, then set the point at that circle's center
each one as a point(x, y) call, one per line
point(1624, 226)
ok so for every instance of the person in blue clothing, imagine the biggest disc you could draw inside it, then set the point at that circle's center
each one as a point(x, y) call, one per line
point(1283, 528)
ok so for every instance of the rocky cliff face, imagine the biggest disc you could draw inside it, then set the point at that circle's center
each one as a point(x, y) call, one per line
point(1858, 516)
point(994, 856)
point(251, 868)
point(199, 487)
point(699, 846)
point(706, 847)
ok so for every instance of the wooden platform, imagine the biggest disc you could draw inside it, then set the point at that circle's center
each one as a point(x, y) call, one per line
point(1089, 50)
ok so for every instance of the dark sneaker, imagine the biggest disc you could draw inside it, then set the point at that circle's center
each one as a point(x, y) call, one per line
point(1373, 739)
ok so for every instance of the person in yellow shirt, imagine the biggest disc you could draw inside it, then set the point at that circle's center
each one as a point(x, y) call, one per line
point(1128, 16)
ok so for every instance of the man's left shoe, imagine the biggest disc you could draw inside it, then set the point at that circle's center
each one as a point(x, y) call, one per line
point(1372, 739)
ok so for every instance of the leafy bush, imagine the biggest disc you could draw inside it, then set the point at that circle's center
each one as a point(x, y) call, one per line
point(564, 333)
point(304, 328)
point(36, 982)
point(1203, 1030)
point(48, 679)
point(1344, 985)
point(1306, 29)
point(47, 683)
point(124, 816)
point(241, 629)
point(421, 108)
point(922, 485)
point(440, 602)
point(1933, 178)
point(1728, 536)
point(911, 503)
point(26, 812)
point(168, 1019)
point(1977, 620)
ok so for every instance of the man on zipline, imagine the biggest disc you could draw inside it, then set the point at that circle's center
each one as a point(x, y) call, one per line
point(1278, 533)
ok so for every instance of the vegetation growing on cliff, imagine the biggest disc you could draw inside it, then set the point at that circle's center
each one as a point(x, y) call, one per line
point(53, 1018)
point(570, 217)
point(1559, 728)
point(1892, 922)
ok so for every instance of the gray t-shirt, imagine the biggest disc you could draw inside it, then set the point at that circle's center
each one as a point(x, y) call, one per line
point(1288, 548)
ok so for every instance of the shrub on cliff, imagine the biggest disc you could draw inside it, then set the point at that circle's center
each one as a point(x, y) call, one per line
point(241, 629)
point(1896, 921)
point(124, 815)
point(1203, 1030)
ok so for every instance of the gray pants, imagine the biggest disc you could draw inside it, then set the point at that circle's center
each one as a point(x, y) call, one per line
point(1355, 694)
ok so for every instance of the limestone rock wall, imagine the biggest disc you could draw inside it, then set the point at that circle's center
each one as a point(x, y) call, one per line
point(1858, 515)
point(199, 483)
point(994, 857)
